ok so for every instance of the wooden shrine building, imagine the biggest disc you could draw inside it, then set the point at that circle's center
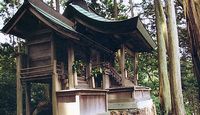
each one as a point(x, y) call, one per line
point(63, 51)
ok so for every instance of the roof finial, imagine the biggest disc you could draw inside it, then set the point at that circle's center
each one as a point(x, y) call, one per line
point(68, 2)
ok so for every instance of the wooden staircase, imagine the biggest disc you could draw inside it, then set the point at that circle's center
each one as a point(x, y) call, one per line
point(82, 83)
point(112, 72)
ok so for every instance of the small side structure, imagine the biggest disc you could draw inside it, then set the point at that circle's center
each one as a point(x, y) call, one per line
point(74, 55)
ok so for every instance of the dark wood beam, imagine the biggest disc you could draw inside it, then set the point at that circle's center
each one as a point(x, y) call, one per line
point(15, 22)
point(39, 16)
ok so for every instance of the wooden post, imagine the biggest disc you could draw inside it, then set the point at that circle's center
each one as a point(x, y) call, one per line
point(28, 97)
point(75, 78)
point(88, 74)
point(106, 101)
point(106, 81)
point(57, 6)
point(135, 69)
point(55, 82)
point(54, 89)
point(126, 73)
point(70, 64)
point(19, 85)
point(56, 86)
point(122, 63)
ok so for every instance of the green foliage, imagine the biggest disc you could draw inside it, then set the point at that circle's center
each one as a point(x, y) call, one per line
point(97, 71)
point(7, 80)
point(7, 9)
point(148, 75)
point(39, 93)
point(79, 67)
point(105, 9)
point(148, 62)
point(129, 65)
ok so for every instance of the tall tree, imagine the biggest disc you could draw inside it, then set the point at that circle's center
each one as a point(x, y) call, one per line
point(174, 61)
point(192, 13)
point(115, 12)
point(164, 86)
point(131, 8)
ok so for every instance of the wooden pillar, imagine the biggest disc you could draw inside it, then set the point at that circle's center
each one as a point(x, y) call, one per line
point(135, 69)
point(70, 51)
point(18, 82)
point(57, 6)
point(75, 78)
point(106, 81)
point(122, 63)
point(93, 82)
point(54, 89)
point(88, 75)
point(28, 97)
point(55, 82)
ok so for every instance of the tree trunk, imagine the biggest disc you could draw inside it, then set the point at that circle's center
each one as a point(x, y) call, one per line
point(164, 92)
point(57, 6)
point(51, 3)
point(131, 8)
point(174, 61)
point(115, 12)
point(192, 13)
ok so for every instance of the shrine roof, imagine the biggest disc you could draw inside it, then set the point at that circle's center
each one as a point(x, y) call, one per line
point(89, 14)
point(53, 18)
point(35, 13)
point(120, 31)
point(43, 13)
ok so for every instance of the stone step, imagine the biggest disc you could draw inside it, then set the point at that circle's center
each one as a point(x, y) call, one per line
point(81, 78)
point(79, 81)
point(105, 113)
point(82, 86)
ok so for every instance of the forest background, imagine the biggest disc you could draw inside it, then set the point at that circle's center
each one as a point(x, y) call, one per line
point(148, 62)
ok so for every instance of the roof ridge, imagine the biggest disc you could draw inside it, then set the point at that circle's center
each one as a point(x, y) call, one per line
point(95, 15)
point(40, 4)
point(53, 18)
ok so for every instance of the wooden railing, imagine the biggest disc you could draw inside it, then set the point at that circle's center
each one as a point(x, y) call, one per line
point(61, 71)
point(111, 71)
point(35, 71)
point(115, 75)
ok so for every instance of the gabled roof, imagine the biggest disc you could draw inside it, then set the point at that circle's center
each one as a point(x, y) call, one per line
point(130, 31)
point(43, 13)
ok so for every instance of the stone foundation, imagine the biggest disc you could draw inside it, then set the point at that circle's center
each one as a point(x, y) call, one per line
point(130, 101)
point(147, 109)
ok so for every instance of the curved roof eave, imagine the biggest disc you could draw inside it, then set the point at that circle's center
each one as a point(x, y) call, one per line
point(98, 23)
point(105, 26)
